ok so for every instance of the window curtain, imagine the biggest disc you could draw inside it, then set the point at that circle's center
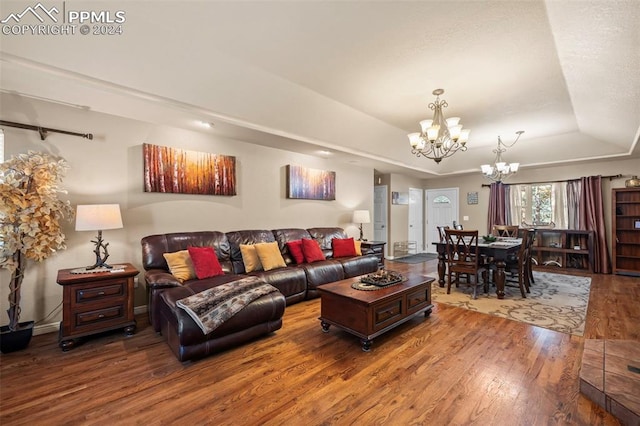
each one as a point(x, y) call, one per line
point(507, 205)
point(560, 215)
point(515, 201)
point(592, 206)
point(574, 194)
point(497, 209)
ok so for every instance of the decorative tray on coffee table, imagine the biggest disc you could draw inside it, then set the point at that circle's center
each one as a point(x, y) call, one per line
point(382, 278)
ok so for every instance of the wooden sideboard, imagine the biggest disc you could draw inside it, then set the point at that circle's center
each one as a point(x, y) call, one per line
point(378, 249)
point(563, 249)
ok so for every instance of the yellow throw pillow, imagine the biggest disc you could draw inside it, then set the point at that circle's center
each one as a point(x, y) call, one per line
point(270, 256)
point(250, 258)
point(358, 245)
point(180, 265)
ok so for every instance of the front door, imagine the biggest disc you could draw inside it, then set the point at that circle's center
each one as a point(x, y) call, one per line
point(442, 210)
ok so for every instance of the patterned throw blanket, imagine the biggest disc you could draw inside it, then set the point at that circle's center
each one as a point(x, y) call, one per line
point(211, 308)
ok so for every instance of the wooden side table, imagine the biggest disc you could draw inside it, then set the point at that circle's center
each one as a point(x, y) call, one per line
point(378, 249)
point(96, 302)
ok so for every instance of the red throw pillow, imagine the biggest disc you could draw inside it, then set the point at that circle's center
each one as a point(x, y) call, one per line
point(205, 262)
point(343, 247)
point(295, 250)
point(312, 251)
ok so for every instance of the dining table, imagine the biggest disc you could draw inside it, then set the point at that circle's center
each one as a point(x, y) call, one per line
point(498, 251)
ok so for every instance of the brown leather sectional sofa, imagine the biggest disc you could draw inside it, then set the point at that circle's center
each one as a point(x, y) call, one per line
point(264, 315)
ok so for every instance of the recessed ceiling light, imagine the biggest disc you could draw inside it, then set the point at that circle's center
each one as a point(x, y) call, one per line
point(324, 152)
point(206, 124)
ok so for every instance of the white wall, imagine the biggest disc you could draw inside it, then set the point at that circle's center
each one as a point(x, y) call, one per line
point(109, 169)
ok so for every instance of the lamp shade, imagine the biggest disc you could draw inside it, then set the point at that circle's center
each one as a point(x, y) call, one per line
point(98, 217)
point(361, 216)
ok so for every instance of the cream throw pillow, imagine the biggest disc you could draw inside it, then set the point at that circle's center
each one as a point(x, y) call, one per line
point(180, 265)
point(250, 258)
point(270, 256)
point(358, 245)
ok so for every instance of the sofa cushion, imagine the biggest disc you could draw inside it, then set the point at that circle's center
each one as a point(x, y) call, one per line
point(290, 281)
point(250, 258)
point(324, 236)
point(312, 251)
point(343, 247)
point(205, 262)
point(295, 250)
point(358, 245)
point(358, 265)
point(180, 265)
point(319, 273)
point(286, 235)
point(250, 236)
point(154, 246)
point(270, 257)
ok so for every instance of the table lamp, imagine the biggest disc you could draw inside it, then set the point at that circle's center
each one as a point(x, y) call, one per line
point(360, 217)
point(98, 217)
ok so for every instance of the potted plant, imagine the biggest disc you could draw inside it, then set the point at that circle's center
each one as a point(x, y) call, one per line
point(30, 216)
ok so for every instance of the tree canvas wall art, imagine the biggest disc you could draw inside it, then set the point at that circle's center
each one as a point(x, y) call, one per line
point(310, 184)
point(179, 171)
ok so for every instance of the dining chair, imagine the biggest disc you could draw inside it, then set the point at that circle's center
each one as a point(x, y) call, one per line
point(521, 266)
point(443, 237)
point(505, 231)
point(463, 259)
point(530, 242)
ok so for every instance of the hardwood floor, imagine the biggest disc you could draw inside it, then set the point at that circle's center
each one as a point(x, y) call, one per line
point(456, 367)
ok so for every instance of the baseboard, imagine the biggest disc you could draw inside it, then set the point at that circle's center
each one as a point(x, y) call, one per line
point(46, 328)
point(140, 310)
point(54, 327)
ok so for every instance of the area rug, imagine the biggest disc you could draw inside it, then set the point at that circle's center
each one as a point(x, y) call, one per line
point(415, 258)
point(557, 302)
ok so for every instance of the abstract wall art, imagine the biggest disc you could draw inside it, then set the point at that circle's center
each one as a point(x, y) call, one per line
point(310, 184)
point(179, 171)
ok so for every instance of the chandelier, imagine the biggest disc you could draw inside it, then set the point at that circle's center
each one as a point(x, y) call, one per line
point(440, 138)
point(501, 170)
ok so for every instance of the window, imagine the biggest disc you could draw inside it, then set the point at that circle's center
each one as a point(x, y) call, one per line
point(441, 199)
point(536, 204)
point(539, 205)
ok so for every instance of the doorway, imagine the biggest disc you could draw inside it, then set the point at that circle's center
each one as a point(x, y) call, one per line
point(442, 210)
point(380, 213)
point(416, 218)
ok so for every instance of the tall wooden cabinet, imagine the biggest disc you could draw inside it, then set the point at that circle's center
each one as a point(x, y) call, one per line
point(625, 224)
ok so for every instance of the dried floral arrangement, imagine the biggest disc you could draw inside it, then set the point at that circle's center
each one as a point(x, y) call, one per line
point(30, 216)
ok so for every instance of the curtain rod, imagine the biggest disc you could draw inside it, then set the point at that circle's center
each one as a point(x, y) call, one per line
point(44, 131)
point(610, 177)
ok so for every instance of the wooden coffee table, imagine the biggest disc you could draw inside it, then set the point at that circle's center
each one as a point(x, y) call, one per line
point(368, 314)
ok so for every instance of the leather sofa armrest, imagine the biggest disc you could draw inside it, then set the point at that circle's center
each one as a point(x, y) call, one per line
point(159, 278)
